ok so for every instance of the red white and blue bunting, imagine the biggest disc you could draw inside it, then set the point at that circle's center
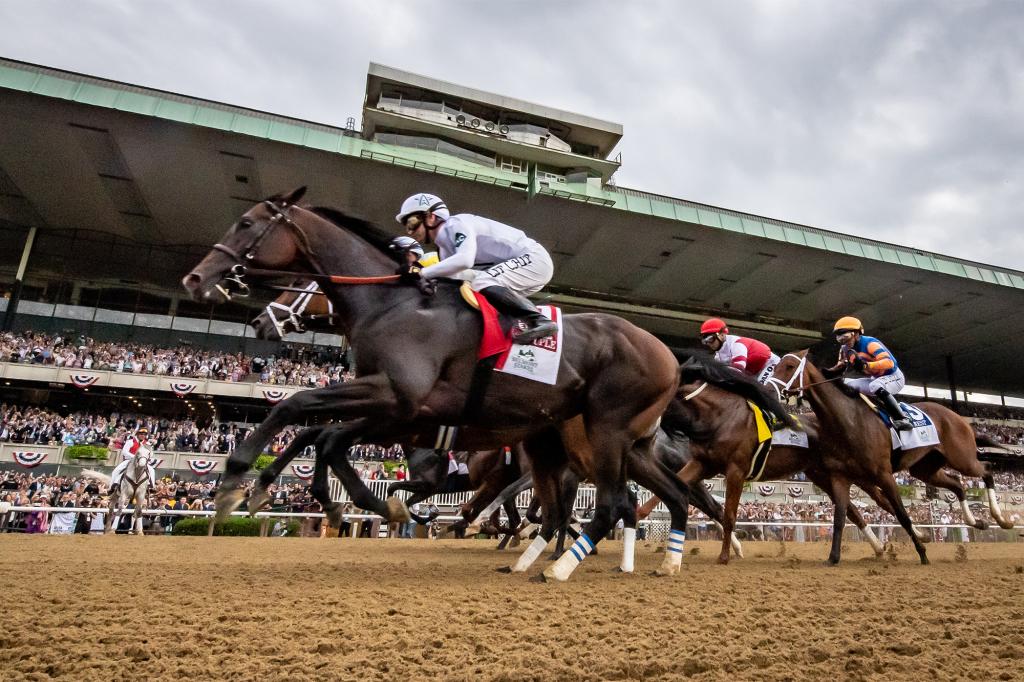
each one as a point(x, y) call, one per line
point(274, 395)
point(795, 490)
point(182, 388)
point(766, 489)
point(1017, 499)
point(201, 467)
point(29, 460)
point(950, 497)
point(303, 471)
point(708, 485)
point(84, 380)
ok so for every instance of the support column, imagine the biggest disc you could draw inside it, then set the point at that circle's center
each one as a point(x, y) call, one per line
point(12, 304)
point(951, 375)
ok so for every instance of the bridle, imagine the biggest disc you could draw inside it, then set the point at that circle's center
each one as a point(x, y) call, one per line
point(280, 217)
point(238, 271)
point(786, 387)
point(294, 312)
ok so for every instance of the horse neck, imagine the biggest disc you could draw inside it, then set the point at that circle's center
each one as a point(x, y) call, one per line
point(833, 408)
point(704, 409)
point(340, 252)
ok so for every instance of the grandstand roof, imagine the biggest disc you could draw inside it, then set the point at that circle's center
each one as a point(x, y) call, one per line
point(158, 167)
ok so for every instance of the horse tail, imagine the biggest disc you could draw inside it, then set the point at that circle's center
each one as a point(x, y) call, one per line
point(983, 441)
point(101, 477)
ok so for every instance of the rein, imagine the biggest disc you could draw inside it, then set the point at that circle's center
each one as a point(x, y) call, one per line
point(281, 216)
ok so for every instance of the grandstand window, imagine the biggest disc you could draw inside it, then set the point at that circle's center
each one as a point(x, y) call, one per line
point(507, 163)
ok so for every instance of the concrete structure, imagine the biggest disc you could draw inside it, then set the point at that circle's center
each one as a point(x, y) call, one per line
point(103, 168)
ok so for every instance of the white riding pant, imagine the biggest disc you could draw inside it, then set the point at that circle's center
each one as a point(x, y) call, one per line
point(118, 473)
point(893, 383)
point(526, 274)
point(769, 369)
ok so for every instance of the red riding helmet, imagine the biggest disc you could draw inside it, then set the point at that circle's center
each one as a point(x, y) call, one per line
point(713, 326)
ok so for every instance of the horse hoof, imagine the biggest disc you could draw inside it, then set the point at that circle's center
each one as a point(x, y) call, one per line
point(504, 569)
point(664, 572)
point(397, 511)
point(539, 578)
point(924, 561)
point(258, 499)
point(1005, 525)
point(723, 561)
point(227, 501)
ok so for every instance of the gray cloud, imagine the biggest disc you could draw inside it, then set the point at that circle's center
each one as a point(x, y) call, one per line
point(898, 121)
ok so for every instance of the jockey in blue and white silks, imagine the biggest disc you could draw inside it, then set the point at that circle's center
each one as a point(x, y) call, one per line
point(513, 265)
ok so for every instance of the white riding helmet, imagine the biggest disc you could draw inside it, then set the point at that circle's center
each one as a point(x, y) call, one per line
point(421, 203)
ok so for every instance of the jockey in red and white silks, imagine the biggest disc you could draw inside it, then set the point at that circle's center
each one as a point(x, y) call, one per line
point(134, 445)
point(750, 356)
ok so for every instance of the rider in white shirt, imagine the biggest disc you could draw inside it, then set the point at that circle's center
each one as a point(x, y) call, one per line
point(514, 266)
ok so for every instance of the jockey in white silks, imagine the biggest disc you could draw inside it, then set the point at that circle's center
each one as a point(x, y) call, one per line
point(137, 443)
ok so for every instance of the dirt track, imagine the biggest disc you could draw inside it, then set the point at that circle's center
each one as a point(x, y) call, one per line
point(295, 609)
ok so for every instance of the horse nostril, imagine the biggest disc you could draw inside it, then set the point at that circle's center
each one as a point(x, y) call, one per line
point(191, 281)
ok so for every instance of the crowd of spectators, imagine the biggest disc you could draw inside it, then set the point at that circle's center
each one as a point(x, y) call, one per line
point(42, 426)
point(85, 353)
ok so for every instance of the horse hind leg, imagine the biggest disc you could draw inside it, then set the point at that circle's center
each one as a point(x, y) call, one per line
point(887, 487)
point(993, 503)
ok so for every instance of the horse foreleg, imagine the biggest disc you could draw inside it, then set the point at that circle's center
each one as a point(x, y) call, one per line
point(605, 448)
point(858, 520)
point(260, 497)
point(108, 522)
point(335, 445)
point(547, 493)
point(669, 487)
point(887, 487)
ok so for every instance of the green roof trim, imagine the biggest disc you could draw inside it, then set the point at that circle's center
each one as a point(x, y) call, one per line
point(93, 91)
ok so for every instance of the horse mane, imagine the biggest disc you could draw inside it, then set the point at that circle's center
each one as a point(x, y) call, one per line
point(361, 228)
point(706, 368)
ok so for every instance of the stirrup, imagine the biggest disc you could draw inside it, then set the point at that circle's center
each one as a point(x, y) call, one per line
point(542, 329)
point(903, 424)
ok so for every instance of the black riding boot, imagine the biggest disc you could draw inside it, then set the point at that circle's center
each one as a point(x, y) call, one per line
point(890, 405)
point(514, 305)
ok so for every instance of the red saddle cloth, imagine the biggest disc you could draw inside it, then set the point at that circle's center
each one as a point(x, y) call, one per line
point(495, 340)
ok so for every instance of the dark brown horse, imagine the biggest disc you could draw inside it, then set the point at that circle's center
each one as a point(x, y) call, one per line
point(416, 361)
point(723, 433)
point(957, 448)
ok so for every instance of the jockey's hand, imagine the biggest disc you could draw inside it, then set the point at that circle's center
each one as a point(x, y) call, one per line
point(408, 273)
point(427, 287)
point(857, 362)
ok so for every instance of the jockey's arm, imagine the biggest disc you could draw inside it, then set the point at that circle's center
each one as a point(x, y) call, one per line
point(882, 360)
point(463, 259)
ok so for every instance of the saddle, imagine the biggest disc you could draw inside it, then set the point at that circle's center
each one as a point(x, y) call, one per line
point(496, 339)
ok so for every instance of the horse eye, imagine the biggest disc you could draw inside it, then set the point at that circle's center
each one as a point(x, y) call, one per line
point(244, 224)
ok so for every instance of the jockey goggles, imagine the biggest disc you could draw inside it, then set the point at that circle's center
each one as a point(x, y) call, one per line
point(708, 338)
point(412, 221)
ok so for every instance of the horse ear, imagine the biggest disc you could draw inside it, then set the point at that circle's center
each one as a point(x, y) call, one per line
point(294, 196)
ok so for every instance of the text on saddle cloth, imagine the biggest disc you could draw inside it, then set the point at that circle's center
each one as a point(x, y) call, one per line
point(922, 434)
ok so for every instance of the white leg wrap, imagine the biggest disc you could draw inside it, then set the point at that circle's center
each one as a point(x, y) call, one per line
point(918, 532)
point(567, 563)
point(525, 532)
point(993, 506)
point(628, 549)
point(736, 546)
point(968, 515)
point(872, 539)
point(673, 553)
point(530, 554)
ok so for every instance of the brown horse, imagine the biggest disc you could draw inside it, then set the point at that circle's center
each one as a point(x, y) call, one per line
point(712, 410)
point(958, 443)
point(416, 359)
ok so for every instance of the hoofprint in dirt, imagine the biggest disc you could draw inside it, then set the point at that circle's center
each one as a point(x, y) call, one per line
point(281, 608)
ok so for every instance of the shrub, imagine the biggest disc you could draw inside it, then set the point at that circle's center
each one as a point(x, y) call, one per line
point(262, 462)
point(236, 526)
point(86, 452)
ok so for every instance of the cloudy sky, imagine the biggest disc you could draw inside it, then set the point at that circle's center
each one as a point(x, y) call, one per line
point(902, 121)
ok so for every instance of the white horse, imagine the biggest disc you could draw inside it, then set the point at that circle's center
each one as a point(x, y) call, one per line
point(133, 488)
